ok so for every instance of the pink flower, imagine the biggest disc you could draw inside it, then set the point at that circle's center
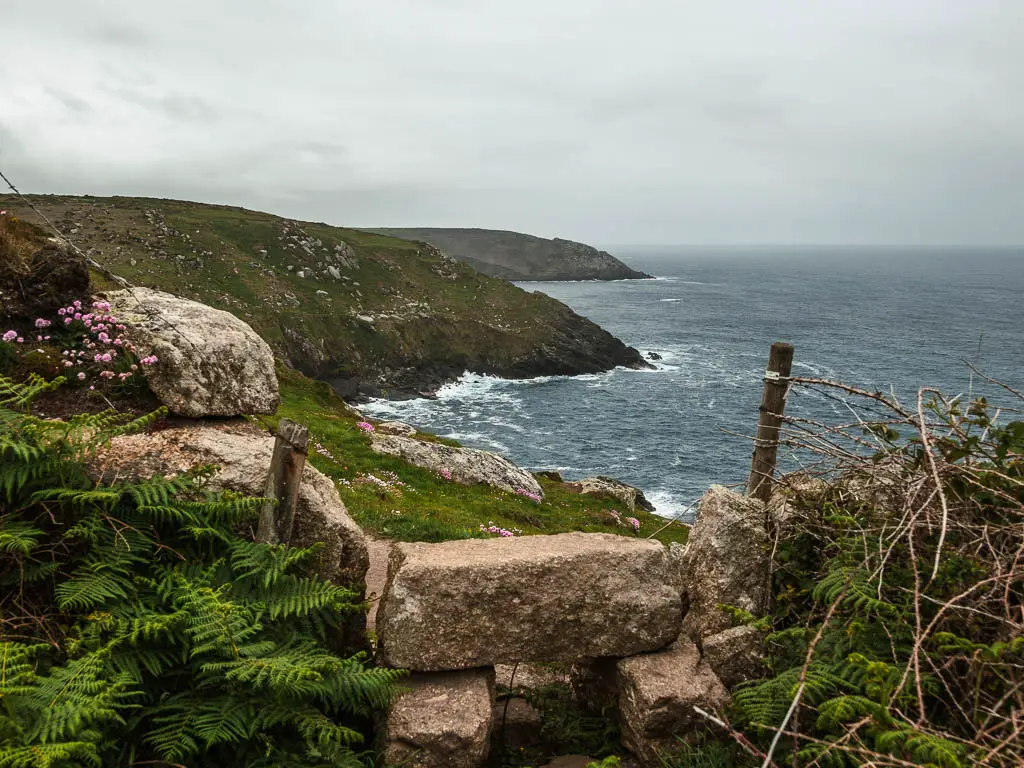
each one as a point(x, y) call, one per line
point(68, 364)
point(77, 303)
point(107, 374)
point(445, 473)
point(81, 376)
point(363, 425)
point(21, 340)
point(527, 494)
point(634, 522)
point(10, 336)
point(78, 315)
point(67, 321)
point(62, 311)
point(42, 322)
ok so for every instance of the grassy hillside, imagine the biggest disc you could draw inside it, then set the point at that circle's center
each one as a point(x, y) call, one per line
point(516, 256)
point(368, 313)
point(411, 504)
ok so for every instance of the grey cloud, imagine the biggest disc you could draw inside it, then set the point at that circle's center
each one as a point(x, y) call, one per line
point(619, 121)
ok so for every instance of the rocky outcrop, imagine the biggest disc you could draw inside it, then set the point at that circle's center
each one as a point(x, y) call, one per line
point(399, 428)
point(736, 655)
point(516, 256)
point(466, 465)
point(210, 362)
point(443, 721)
point(626, 495)
point(475, 602)
point(657, 694)
point(727, 561)
point(46, 276)
point(243, 455)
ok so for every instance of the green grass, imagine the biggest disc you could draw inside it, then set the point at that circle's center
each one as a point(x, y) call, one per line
point(428, 507)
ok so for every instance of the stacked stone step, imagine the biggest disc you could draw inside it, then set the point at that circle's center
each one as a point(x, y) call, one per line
point(610, 605)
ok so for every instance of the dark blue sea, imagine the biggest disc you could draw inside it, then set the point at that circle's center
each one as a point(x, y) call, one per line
point(882, 319)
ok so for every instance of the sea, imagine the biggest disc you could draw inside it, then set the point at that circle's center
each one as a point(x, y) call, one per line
point(882, 319)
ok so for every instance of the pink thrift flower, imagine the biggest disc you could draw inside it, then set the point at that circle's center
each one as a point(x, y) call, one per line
point(10, 336)
point(365, 426)
point(78, 315)
point(62, 311)
point(77, 303)
point(81, 376)
point(21, 340)
point(42, 322)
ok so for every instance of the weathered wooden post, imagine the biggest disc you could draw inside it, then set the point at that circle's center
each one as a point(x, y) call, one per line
point(769, 424)
point(283, 481)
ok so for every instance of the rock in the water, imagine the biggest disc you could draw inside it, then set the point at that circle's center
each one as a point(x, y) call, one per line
point(444, 721)
point(396, 428)
point(736, 655)
point(653, 356)
point(475, 602)
point(626, 494)
point(243, 455)
point(467, 465)
point(210, 362)
point(657, 693)
point(726, 561)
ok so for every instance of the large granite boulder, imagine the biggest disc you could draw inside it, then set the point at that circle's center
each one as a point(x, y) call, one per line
point(445, 720)
point(657, 695)
point(243, 454)
point(466, 465)
point(480, 602)
point(727, 561)
point(210, 362)
point(627, 495)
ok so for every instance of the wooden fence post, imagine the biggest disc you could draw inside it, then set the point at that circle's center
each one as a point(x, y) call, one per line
point(283, 481)
point(773, 403)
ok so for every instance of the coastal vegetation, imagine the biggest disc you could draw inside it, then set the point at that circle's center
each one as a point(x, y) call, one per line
point(368, 313)
point(139, 626)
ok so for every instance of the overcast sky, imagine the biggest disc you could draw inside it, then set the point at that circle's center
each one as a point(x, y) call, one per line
point(608, 121)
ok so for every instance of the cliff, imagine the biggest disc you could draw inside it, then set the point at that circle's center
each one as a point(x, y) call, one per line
point(370, 314)
point(516, 256)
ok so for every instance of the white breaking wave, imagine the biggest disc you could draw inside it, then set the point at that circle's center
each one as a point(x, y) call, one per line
point(667, 504)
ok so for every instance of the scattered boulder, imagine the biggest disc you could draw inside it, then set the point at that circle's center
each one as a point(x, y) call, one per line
point(210, 362)
point(657, 693)
point(396, 428)
point(243, 454)
point(605, 486)
point(467, 465)
point(736, 655)
point(549, 474)
point(480, 602)
point(727, 561)
point(443, 720)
